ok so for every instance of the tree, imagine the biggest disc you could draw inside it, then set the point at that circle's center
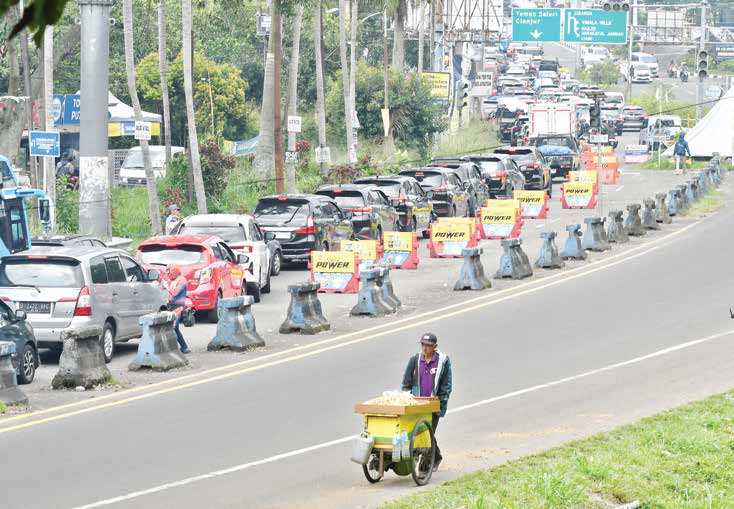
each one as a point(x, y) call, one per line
point(421, 32)
point(293, 94)
point(264, 163)
point(345, 72)
point(191, 119)
point(153, 205)
point(12, 54)
point(398, 49)
point(163, 70)
point(320, 103)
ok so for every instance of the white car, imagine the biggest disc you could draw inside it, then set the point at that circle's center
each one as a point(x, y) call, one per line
point(648, 60)
point(242, 234)
point(132, 171)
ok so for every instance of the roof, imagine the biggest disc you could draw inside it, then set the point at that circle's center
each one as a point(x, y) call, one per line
point(175, 240)
point(295, 196)
point(382, 178)
point(346, 187)
point(488, 157)
point(75, 252)
point(216, 219)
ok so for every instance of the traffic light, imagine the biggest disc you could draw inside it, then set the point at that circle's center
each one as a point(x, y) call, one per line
point(702, 68)
point(465, 95)
point(616, 5)
point(595, 115)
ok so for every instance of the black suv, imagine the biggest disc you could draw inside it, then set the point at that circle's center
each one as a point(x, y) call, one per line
point(371, 210)
point(501, 174)
point(15, 329)
point(532, 165)
point(444, 188)
point(560, 151)
point(409, 199)
point(471, 177)
point(303, 223)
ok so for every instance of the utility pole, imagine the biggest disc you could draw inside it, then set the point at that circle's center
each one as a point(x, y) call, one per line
point(49, 169)
point(277, 133)
point(388, 142)
point(631, 38)
point(28, 91)
point(94, 190)
point(700, 79)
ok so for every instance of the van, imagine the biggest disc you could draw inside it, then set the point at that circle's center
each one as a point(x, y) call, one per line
point(132, 171)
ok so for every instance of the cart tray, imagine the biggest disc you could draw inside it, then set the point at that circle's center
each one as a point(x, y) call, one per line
point(430, 406)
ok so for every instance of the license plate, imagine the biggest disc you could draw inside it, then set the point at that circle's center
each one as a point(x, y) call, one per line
point(38, 308)
point(282, 235)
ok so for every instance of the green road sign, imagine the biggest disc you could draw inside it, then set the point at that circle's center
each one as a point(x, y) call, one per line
point(595, 26)
point(536, 25)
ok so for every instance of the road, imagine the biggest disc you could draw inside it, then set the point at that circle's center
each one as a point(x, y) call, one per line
point(535, 364)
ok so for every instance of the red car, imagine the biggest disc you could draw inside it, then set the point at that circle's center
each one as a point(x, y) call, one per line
point(211, 268)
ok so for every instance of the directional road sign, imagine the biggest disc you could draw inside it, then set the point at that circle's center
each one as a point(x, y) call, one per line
point(536, 25)
point(595, 26)
point(45, 144)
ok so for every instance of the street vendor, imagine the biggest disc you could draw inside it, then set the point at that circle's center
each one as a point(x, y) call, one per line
point(428, 373)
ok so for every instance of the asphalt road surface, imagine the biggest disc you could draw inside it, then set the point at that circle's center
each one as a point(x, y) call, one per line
point(534, 365)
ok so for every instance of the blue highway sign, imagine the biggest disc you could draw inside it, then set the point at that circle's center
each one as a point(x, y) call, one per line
point(595, 26)
point(45, 144)
point(536, 25)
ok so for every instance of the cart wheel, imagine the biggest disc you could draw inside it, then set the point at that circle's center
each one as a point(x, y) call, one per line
point(422, 458)
point(374, 470)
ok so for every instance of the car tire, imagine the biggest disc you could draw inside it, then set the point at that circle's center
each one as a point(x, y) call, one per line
point(212, 316)
point(107, 341)
point(253, 289)
point(266, 288)
point(277, 264)
point(27, 363)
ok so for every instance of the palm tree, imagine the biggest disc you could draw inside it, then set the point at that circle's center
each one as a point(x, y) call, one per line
point(398, 49)
point(345, 72)
point(264, 162)
point(191, 119)
point(163, 70)
point(153, 206)
point(354, 16)
point(12, 52)
point(290, 178)
point(421, 32)
point(320, 109)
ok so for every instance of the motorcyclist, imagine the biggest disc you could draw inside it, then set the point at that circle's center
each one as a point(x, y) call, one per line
point(683, 72)
point(672, 69)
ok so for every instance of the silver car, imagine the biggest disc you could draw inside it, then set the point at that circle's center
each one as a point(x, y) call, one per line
point(62, 288)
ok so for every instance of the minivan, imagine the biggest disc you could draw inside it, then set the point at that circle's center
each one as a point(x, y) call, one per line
point(132, 171)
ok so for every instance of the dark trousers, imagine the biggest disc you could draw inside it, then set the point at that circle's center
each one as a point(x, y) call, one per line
point(434, 424)
point(179, 337)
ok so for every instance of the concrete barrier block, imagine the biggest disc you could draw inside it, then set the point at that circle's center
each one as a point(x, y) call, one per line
point(683, 203)
point(10, 393)
point(471, 276)
point(158, 349)
point(692, 192)
point(633, 223)
point(572, 250)
point(514, 262)
point(648, 215)
point(661, 209)
point(673, 202)
point(595, 238)
point(616, 231)
point(236, 326)
point(82, 360)
point(370, 298)
point(702, 181)
point(388, 291)
point(548, 258)
point(305, 314)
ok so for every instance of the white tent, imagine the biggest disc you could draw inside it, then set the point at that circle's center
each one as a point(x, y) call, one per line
point(121, 112)
point(714, 132)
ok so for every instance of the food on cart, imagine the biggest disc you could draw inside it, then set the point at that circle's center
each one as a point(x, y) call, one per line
point(395, 398)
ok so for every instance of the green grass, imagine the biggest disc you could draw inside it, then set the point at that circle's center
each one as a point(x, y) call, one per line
point(474, 137)
point(669, 164)
point(679, 458)
point(2, 408)
point(708, 203)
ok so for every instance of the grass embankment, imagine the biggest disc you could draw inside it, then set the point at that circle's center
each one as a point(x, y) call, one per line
point(2, 408)
point(475, 137)
point(679, 458)
point(707, 204)
point(669, 164)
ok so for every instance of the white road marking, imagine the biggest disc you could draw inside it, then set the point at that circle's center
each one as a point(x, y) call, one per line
point(540, 226)
point(338, 441)
point(554, 220)
point(619, 189)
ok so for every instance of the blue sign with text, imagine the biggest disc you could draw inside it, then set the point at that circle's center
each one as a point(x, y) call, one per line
point(595, 26)
point(536, 25)
point(45, 144)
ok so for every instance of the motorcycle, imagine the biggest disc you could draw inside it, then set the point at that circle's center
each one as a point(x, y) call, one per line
point(672, 72)
point(684, 75)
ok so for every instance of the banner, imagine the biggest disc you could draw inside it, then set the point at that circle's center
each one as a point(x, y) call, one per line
point(636, 154)
point(449, 238)
point(336, 271)
point(400, 249)
point(367, 250)
point(533, 204)
point(578, 195)
point(501, 219)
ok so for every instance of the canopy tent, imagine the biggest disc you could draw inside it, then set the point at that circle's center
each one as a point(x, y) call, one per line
point(121, 112)
point(120, 116)
point(714, 132)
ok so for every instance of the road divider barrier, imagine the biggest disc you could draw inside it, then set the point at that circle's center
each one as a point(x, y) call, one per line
point(82, 360)
point(702, 181)
point(572, 249)
point(158, 348)
point(533, 204)
point(388, 290)
point(633, 223)
point(305, 314)
point(335, 271)
point(400, 250)
point(548, 258)
point(683, 203)
point(661, 209)
point(673, 202)
point(514, 262)
point(693, 191)
point(236, 328)
point(450, 235)
point(595, 237)
point(10, 393)
point(648, 215)
point(472, 275)
point(578, 195)
point(501, 219)
point(616, 231)
point(368, 251)
point(371, 298)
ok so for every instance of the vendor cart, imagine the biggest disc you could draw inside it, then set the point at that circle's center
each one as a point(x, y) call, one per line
point(383, 424)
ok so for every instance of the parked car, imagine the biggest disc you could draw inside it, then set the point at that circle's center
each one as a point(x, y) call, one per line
point(533, 166)
point(409, 199)
point(67, 240)
point(635, 118)
point(371, 210)
point(242, 234)
point(132, 171)
point(471, 178)
point(500, 173)
point(210, 267)
point(443, 187)
point(303, 223)
point(61, 288)
point(14, 328)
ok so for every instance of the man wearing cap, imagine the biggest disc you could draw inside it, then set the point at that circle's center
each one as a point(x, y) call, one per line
point(174, 217)
point(429, 374)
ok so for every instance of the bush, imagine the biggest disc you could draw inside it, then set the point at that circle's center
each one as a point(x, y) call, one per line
point(130, 216)
point(67, 208)
point(215, 167)
point(606, 73)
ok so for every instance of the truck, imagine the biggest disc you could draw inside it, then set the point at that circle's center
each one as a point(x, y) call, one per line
point(15, 234)
point(551, 118)
point(553, 131)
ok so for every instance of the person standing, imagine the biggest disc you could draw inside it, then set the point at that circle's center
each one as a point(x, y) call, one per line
point(177, 288)
point(173, 218)
point(428, 373)
point(680, 150)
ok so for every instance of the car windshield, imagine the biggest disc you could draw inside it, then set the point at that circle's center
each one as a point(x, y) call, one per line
point(520, 156)
point(233, 233)
point(183, 254)
point(389, 187)
point(648, 59)
point(134, 157)
point(426, 178)
point(283, 211)
point(556, 141)
point(346, 199)
point(41, 273)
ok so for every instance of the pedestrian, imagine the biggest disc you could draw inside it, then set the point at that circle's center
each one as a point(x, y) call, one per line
point(173, 218)
point(177, 288)
point(428, 373)
point(680, 150)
